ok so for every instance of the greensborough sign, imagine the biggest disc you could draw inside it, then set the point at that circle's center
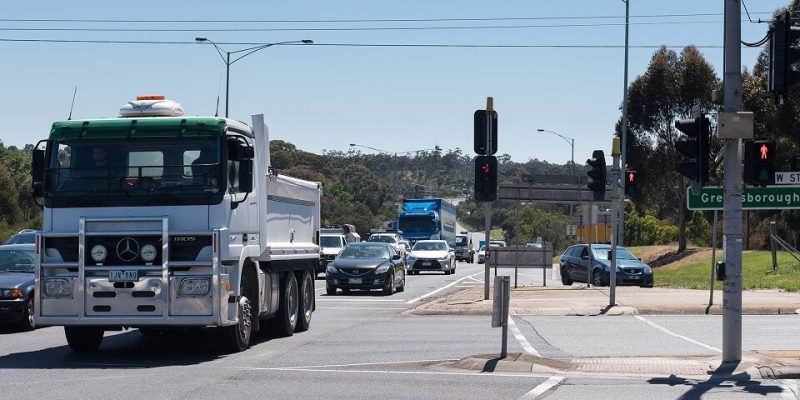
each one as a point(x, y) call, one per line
point(753, 198)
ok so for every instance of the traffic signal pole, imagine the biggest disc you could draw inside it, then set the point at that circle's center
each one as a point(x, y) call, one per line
point(732, 211)
point(487, 206)
point(615, 195)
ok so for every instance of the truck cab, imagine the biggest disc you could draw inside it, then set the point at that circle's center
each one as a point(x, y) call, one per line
point(154, 220)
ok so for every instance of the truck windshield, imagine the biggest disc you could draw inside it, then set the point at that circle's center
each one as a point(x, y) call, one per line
point(330, 241)
point(170, 171)
point(417, 224)
point(461, 240)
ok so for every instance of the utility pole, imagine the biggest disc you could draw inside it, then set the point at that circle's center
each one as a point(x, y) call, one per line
point(623, 158)
point(615, 192)
point(732, 211)
point(487, 206)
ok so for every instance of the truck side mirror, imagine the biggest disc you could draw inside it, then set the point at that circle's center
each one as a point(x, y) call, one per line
point(246, 175)
point(37, 173)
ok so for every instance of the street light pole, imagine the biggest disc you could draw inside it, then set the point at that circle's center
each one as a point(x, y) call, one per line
point(247, 52)
point(571, 142)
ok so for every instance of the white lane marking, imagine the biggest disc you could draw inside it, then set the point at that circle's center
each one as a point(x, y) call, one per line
point(669, 332)
point(363, 308)
point(789, 387)
point(542, 387)
point(360, 300)
point(521, 338)
point(431, 293)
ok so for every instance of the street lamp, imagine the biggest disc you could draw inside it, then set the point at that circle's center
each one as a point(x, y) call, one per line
point(394, 157)
point(250, 50)
point(571, 142)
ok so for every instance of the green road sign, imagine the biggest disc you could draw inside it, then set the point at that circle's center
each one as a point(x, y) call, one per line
point(753, 198)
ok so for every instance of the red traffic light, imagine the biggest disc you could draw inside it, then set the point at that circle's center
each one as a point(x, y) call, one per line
point(485, 168)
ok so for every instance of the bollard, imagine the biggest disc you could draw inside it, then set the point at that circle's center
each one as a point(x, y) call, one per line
point(500, 310)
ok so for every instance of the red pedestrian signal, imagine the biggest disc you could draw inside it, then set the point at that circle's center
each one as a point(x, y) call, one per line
point(759, 163)
point(631, 181)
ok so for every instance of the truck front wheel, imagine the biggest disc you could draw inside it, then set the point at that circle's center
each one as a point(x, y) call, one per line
point(236, 338)
point(82, 338)
point(285, 321)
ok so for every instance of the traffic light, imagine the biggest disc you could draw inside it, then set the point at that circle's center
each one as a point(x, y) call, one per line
point(759, 163)
point(631, 182)
point(783, 54)
point(597, 174)
point(485, 178)
point(695, 147)
point(479, 143)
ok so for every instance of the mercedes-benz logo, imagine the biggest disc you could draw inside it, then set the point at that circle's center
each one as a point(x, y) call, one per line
point(127, 249)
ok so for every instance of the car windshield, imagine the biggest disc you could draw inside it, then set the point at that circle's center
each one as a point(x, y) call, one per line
point(461, 241)
point(430, 246)
point(601, 253)
point(169, 171)
point(382, 239)
point(330, 241)
point(16, 260)
point(365, 252)
point(22, 238)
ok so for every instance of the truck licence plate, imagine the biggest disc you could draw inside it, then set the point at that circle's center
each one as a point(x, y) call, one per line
point(354, 281)
point(123, 276)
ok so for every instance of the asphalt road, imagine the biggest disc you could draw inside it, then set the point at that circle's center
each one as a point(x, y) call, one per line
point(362, 345)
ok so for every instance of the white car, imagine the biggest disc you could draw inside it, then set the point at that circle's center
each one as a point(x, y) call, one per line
point(432, 255)
point(482, 252)
point(393, 239)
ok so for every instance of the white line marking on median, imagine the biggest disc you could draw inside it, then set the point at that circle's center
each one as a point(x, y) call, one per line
point(431, 293)
point(542, 387)
point(521, 338)
point(669, 332)
point(789, 387)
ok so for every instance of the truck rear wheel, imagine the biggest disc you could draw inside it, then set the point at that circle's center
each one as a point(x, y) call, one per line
point(306, 303)
point(285, 320)
point(83, 339)
point(236, 338)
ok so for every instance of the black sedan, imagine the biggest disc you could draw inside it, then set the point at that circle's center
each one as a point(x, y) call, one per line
point(16, 285)
point(366, 265)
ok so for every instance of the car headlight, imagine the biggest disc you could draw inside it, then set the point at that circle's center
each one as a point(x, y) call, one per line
point(12, 293)
point(647, 269)
point(331, 269)
point(148, 253)
point(194, 287)
point(382, 269)
point(99, 253)
point(445, 259)
point(411, 259)
point(57, 287)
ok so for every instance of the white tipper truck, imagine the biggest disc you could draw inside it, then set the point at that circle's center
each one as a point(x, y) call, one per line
point(155, 220)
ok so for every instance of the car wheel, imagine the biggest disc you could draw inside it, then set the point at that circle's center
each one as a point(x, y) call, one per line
point(388, 288)
point(83, 339)
point(306, 303)
point(330, 290)
point(565, 280)
point(28, 323)
point(402, 286)
point(597, 278)
point(454, 267)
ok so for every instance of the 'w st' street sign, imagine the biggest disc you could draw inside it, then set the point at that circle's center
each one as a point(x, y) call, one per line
point(753, 198)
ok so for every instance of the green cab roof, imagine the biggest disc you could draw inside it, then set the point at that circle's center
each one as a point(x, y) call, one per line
point(133, 128)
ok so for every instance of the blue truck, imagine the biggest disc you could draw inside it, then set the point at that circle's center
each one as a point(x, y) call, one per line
point(422, 219)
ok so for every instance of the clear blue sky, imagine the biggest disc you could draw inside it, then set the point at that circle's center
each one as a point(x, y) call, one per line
point(325, 97)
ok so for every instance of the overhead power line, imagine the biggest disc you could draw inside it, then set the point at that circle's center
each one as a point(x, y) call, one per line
point(442, 45)
point(325, 21)
point(371, 28)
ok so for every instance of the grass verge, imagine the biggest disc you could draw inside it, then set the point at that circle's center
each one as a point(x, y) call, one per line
point(694, 272)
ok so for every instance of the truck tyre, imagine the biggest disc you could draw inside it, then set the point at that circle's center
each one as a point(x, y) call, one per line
point(285, 320)
point(306, 303)
point(236, 338)
point(83, 339)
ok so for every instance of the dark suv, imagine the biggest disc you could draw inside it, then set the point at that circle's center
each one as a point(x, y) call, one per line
point(577, 264)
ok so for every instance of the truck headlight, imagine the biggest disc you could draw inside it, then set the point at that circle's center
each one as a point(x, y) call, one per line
point(148, 253)
point(194, 287)
point(382, 269)
point(99, 253)
point(331, 269)
point(57, 287)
